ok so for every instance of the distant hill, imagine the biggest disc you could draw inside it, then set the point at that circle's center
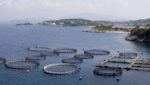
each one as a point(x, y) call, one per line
point(141, 22)
point(85, 22)
point(69, 22)
point(24, 24)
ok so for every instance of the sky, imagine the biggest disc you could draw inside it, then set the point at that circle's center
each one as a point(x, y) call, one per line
point(89, 9)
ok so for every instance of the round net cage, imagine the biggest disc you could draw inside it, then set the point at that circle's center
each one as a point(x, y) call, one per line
point(83, 56)
point(39, 49)
point(97, 52)
point(104, 71)
point(128, 54)
point(125, 57)
point(49, 54)
point(22, 64)
point(35, 57)
point(72, 60)
point(65, 50)
point(61, 69)
point(2, 60)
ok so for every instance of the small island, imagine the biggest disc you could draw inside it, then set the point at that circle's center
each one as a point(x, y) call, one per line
point(24, 24)
point(139, 35)
point(105, 29)
point(68, 22)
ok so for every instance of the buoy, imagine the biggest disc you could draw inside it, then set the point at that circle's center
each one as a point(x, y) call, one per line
point(27, 71)
point(80, 77)
point(118, 79)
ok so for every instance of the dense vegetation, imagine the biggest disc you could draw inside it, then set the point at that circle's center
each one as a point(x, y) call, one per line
point(69, 22)
point(141, 32)
point(85, 22)
point(103, 28)
point(109, 28)
point(140, 35)
point(24, 24)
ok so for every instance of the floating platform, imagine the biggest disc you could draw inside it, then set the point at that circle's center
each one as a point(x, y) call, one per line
point(133, 62)
point(40, 49)
point(65, 50)
point(97, 52)
point(22, 64)
point(46, 69)
point(72, 60)
point(107, 71)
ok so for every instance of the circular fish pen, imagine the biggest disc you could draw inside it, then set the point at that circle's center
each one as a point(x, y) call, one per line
point(58, 69)
point(83, 56)
point(22, 64)
point(72, 60)
point(65, 50)
point(128, 54)
point(104, 71)
point(2, 60)
point(97, 52)
point(39, 49)
point(49, 54)
point(36, 57)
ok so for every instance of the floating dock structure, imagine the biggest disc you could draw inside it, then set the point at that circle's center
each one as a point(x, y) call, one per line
point(132, 62)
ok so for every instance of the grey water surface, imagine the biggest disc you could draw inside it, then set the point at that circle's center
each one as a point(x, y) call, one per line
point(14, 42)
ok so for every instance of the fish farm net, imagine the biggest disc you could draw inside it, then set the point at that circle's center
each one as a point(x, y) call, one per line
point(61, 69)
point(49, 54)
point(35, 57)
point(144, 61)
point(22, 64)
point(2, 60)
point(128, 54)
point(65, 50)
point(40, 49)
point(141, 64)
point(117, 64)
point(83, 56)
point(123, 59)
point(72, 60)
point(126, 57)
point(97, 52)
point(107, 71)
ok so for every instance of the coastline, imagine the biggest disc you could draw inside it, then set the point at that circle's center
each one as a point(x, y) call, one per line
point(135, 38)
point(96, 31)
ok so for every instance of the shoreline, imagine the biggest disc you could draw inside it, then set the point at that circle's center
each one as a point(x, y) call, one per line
point(96, 31)
point(134, 38)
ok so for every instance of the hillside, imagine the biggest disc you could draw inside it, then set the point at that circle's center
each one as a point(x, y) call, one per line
point(69, 22)
point(85, 22)
point(140, 35)
point(140, 22)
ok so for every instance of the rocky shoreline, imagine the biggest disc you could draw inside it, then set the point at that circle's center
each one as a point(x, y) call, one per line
point(97, 31)
point(137, 39)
